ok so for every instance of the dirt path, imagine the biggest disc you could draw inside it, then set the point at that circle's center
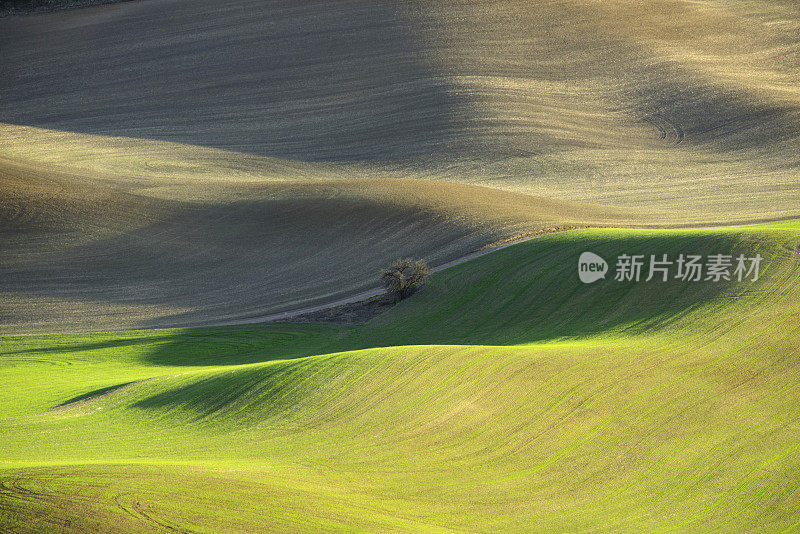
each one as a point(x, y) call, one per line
point(376, 291)
point(368, 294)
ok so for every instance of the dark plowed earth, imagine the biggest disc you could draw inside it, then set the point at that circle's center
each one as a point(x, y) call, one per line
point(552, 98)
point(673, 113)
point(283, 246)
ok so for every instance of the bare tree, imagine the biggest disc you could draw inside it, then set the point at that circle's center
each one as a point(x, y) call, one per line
point(404, 276)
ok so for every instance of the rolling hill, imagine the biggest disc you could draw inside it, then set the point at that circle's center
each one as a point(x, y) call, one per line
point(151, 234)
point(176, 163)
point(612, 102)
point(196, 164)
point(506, 396)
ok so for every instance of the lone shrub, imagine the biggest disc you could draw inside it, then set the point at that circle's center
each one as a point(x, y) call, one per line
point(404, 276)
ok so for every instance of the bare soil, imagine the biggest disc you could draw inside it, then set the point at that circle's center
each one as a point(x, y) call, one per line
point(349, 314)
point(28, 7)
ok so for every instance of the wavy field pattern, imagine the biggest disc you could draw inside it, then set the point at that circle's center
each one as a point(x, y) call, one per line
point(101, 234)
point(202, 164)
point(613, 102)
point(162, 162)
point(510, 400)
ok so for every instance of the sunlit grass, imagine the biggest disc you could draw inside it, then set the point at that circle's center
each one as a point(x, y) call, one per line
point(504, 396)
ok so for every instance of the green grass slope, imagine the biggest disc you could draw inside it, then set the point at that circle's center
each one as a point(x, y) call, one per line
point(505, 396)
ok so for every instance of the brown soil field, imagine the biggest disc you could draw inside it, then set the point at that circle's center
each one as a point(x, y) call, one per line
point(168, 163)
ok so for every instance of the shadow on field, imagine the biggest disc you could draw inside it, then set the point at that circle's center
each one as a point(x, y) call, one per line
point(530, 292)
point(119, 343)
point(311, 81)
point(673, 101)
point(271, 387)
point(94, 394)
point(228, 261)
point(243, 344)
point(526, 293)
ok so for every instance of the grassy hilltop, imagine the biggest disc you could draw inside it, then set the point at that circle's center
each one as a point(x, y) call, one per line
point(506, 396)
point(201, 163)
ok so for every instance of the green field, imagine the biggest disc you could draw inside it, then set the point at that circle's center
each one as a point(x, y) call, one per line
point(505, 396)
point(182, 179)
